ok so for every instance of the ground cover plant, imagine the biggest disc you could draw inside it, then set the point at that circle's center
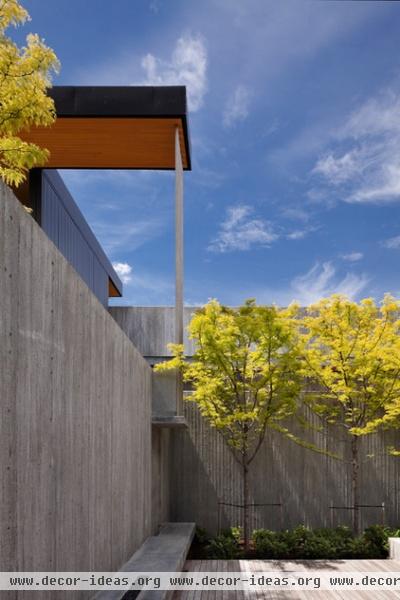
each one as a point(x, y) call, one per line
point(300, 543)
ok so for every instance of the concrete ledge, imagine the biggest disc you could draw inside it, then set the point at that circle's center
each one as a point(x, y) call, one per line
point(171, 422)
point(394, 548)
point(166, 551)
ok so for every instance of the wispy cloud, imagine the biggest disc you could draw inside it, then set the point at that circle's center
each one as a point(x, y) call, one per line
point(299, 234)
point(295, 213)
point(237, 106)
point(392, 243)
point(117, 237)
point(322, 280)
point(352, 256)
point(363, 163)
point(187, 66)
point(239, 231)
point(341, 169)
point(124, 270)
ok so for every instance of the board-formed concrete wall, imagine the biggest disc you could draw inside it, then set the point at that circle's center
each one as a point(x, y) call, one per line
point(152, 328)
point(75, 415)
point(162, 486)
point(304, 482)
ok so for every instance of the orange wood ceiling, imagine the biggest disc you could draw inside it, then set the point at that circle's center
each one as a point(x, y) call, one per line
point(110, 143)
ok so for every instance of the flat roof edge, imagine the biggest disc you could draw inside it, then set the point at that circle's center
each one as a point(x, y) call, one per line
point(123, 101)
point(141, 102)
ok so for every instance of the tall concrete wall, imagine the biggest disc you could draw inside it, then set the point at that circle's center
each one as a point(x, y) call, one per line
point(305, 483)
point(75, 415)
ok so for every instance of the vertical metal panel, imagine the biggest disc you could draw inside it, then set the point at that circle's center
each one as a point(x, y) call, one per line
point(99, 282)
point(63, 231)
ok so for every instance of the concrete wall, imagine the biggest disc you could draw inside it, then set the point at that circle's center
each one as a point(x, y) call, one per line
point(304, 482)
point(162, 487)
point(150, 329)
point(75, 415)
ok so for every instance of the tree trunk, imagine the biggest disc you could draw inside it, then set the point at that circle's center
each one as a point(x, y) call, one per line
point(246, 536)
point(355, 484)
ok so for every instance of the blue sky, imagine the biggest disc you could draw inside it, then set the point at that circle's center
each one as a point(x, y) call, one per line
point(295, 131)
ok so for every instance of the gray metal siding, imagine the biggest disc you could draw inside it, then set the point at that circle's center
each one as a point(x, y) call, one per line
point(64, 232)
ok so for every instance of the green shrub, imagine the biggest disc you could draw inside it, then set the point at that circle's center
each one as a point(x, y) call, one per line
point(226, 545)
point(337, 543)
point(269, 544)
point(376, 540)
point(201, 536)
point(302, 543)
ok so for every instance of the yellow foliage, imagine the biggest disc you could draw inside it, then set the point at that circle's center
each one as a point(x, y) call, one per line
point(352, 351)
point(24, 79)
point(244, 372)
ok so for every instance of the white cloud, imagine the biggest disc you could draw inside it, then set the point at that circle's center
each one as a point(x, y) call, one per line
point(321, 281)
point(187, 66)
point(298, 234)
point(237, 106)
point(338, 170)
point(392, 243)
point(352, 256)
point(384, 187)
point(241, 232)
point(295, 213)
point(364, 163)
point(124, 271)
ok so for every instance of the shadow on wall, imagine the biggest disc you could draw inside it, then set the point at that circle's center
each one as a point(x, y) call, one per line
point(306, 483)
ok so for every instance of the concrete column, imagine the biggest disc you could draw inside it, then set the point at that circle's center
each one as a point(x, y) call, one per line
point(178, 263)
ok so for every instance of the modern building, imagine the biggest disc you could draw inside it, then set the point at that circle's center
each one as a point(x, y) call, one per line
point(96, 452)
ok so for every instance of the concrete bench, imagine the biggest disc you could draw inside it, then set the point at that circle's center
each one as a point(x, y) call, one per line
point(394, 548)
point(166, 551)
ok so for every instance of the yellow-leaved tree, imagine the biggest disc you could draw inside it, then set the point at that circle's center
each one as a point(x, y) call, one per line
point(245, 377)
point(24, 79)
point(352, 353)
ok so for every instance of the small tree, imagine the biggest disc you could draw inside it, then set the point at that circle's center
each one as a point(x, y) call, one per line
point(24, 78)
point(352, 352)
point(244, 375)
